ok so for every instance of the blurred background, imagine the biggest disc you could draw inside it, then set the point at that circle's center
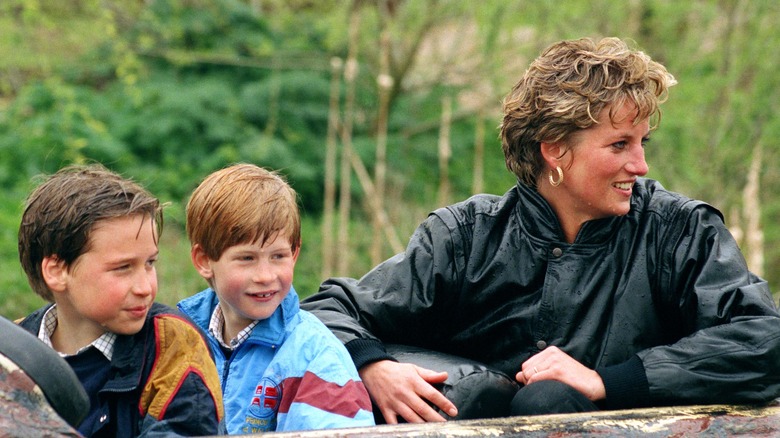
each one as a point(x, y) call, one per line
point(377, 112)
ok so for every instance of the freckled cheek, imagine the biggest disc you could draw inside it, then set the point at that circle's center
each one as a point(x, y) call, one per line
point(235, 283)
point(286, 278)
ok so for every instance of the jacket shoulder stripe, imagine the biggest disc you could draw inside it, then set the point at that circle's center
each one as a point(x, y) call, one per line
point(345, 400)
point(180, 350)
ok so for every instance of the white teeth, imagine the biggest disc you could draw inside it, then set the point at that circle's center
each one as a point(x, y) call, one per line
point(624, 186)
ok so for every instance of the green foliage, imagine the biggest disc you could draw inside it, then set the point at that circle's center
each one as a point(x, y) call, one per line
point(17, 297)
point(166, 91)
point(51, 124)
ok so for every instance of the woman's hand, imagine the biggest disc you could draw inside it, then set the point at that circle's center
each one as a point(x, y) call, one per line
point(553, 364)
point(402, 389)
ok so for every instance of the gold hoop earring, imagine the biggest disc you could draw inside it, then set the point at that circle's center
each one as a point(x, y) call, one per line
point(553, 182)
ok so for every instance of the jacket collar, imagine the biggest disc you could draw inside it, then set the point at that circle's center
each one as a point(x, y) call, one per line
point(130, 351)
point(537, 218)
point(271, 330)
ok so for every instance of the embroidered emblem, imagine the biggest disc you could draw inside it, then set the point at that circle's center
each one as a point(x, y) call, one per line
point(266, 399)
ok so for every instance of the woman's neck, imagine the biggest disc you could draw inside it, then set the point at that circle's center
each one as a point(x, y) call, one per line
point(569, 223)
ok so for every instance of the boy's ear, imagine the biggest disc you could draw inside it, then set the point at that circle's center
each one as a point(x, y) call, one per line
point(54, 272)
point(201, 261)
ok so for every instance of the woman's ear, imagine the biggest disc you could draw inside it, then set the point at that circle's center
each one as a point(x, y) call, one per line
point(201, 261)
point(552, 153)
point(55, 273)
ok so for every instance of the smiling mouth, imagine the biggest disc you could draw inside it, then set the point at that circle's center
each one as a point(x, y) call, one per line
point(624, 186)
point(264, 295)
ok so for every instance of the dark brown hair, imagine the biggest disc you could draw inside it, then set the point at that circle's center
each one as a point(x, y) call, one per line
point(62, 211)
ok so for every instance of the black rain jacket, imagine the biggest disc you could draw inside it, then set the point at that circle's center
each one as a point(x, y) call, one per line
point(660, 302)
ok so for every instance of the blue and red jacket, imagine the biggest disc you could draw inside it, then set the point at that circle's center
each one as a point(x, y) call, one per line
point(291, 374)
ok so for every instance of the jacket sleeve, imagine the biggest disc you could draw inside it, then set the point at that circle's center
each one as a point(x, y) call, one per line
point(182, 395)
point(396, 302)
point(729, 346)
point(328, 394)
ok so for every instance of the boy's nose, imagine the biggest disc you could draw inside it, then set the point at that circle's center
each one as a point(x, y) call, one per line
point(146, 284)
point(262, 274)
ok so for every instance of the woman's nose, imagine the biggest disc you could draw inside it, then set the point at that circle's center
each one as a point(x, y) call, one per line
point(637, 165)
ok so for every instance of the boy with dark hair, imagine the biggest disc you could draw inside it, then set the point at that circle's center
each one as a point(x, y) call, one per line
point(88, 244)
point(281, 368)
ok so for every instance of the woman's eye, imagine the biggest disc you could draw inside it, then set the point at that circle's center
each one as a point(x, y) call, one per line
point(619, 145)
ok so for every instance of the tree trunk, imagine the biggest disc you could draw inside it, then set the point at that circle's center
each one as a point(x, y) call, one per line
point(445, 151)
point(704, 420)
point(479, 155)
point(385, 83)
point(345, 201)
point(368, 188)
point(754, 235)
point(328, 250)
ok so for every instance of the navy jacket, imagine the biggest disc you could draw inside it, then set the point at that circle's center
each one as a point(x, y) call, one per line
point(163, 380)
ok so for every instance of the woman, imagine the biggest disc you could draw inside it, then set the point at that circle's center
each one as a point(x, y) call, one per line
point(595, 287)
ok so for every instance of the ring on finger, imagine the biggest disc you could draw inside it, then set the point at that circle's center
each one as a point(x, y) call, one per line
point(535, 370)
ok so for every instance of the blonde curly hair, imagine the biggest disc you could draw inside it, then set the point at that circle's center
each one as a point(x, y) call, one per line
point(566, 88)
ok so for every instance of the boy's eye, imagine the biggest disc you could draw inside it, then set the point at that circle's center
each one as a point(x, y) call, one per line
point(281, 255)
